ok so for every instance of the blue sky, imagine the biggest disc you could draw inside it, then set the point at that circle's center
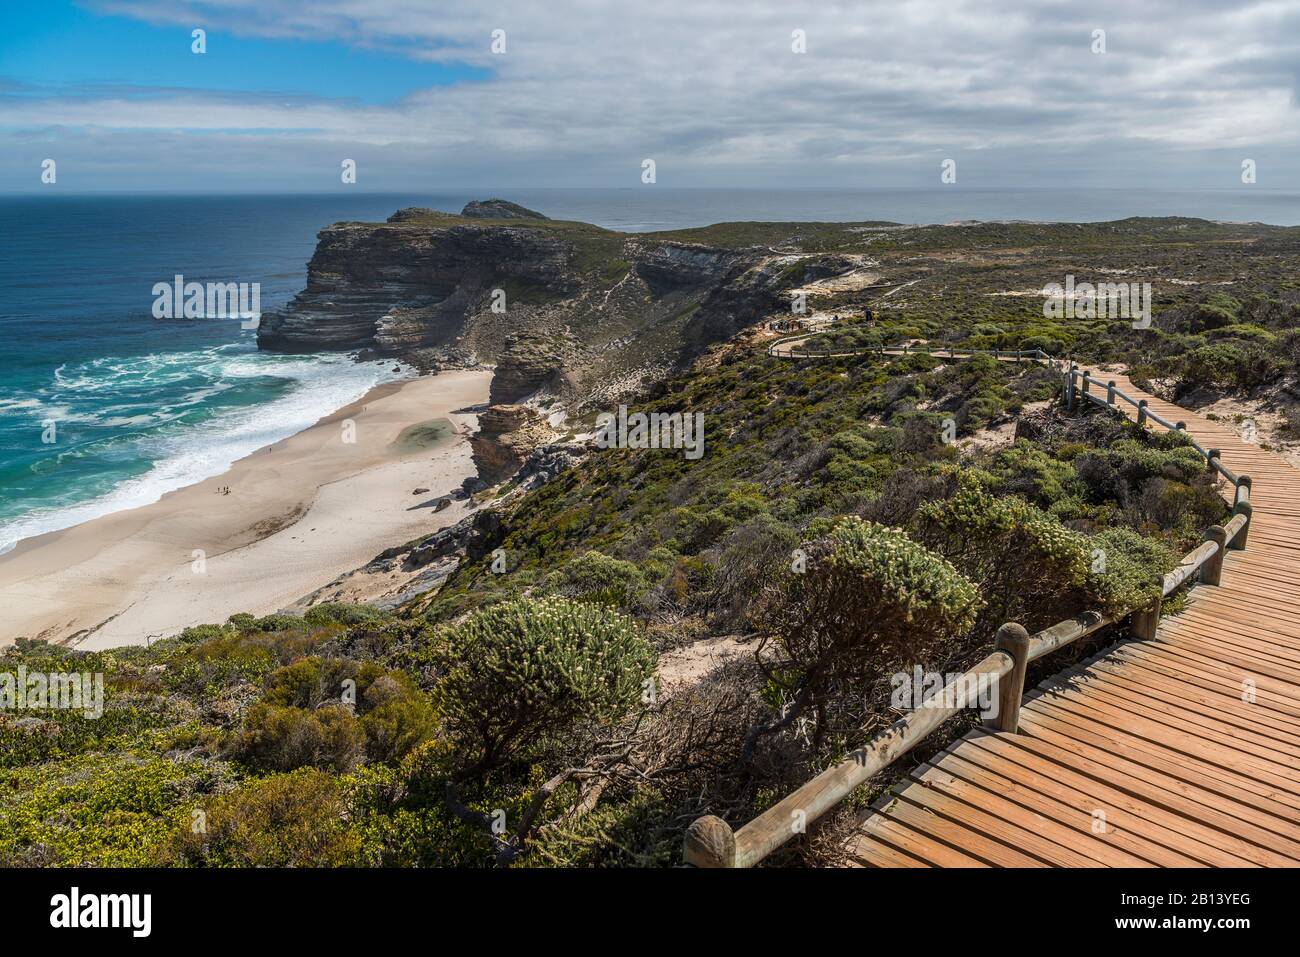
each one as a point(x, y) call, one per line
point(57, 45)
point(875, 93)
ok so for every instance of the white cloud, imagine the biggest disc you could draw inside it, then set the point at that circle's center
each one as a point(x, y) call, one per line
point(713, 92)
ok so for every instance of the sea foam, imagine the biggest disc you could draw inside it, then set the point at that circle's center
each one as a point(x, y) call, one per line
point(183, 453)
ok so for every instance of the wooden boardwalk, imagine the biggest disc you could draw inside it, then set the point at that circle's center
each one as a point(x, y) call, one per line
point(1183, 751)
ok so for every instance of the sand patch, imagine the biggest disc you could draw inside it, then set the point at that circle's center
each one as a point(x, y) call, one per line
point(277, 525)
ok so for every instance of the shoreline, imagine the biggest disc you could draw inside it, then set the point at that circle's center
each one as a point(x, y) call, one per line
point(297, 514)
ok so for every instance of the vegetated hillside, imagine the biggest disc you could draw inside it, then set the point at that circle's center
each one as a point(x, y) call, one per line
point(1225, 298)
point(562, 707)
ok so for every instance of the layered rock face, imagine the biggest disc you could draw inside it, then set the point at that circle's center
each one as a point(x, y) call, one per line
point(403, 286)
point(563, 309)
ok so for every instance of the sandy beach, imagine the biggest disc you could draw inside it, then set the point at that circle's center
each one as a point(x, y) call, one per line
point(297, 514)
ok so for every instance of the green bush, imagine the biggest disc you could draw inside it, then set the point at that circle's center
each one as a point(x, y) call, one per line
point(338, 613)
point(598, 577)
point(331, 712)
point(1025, 469)
point(1127, 570)
point(94, 810)
point(1028, 565)
point(524, 669)
point(280, 738)
point(289, 820)
point(869, 600)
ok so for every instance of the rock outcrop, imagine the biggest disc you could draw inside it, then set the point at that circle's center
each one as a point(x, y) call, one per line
point(499, 209)
point(506, 436)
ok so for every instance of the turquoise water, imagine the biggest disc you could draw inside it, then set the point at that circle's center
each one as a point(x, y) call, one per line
point(139, 406)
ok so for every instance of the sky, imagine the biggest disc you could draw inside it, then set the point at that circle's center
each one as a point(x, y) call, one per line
point(1015, 92)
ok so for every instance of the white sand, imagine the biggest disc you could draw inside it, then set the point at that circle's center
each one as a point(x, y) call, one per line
point(299, 513)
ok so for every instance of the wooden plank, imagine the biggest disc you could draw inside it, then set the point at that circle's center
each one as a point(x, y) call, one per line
point(1205, 725)
point(1189, 694)
point(1057, 837)
point(1194, 805)
point(1209, 791)
point(1021, 829)
point(908, 841)
point(1122, 809)
point(1141, 839)
point(944, 831)
point(1171, 736)
point(869, 852)
point(1259, 791)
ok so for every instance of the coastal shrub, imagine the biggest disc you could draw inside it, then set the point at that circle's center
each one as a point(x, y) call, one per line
point(397, 717)
point(309, 682)
point(746, 560)
point(333, 712)
point(1028, 470)
point(1184, 509)
point(921, 433)
point(1127, 569)
point(283, 738)
point(299, 819)
point(95, 810)
point(275, 623)
point(1217, 310)
point(339, 613)
point(979, 411)
point(1052, 345)
point(523, 669)
point(595, 576)
point(1120, 470)
point(869, 600)
point(51, 734)
point(400, 815)
point(1028, 565)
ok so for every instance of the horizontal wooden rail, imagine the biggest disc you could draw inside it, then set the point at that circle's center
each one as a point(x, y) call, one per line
point(1189, 566)
point(710, 841)
point(1064, 632)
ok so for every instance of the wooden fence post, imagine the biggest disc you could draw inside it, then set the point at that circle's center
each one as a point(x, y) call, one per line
point(1210, 456)
point(1212, 570)
point(1142, 412)
point(1147, 620)
point(1086, 383)
point(1014, 640)
point(709, 842)
point(1243, 481)
point(1110, 392)
point(1242, 508)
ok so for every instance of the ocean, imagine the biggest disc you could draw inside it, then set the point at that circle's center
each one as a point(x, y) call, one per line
point(104, 407)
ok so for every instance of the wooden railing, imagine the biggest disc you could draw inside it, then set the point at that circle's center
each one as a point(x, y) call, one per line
point(710, 841)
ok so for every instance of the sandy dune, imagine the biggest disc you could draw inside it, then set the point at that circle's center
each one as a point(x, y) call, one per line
point(298, 514)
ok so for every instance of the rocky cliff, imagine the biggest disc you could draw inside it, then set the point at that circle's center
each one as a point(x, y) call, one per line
point(564, 309)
